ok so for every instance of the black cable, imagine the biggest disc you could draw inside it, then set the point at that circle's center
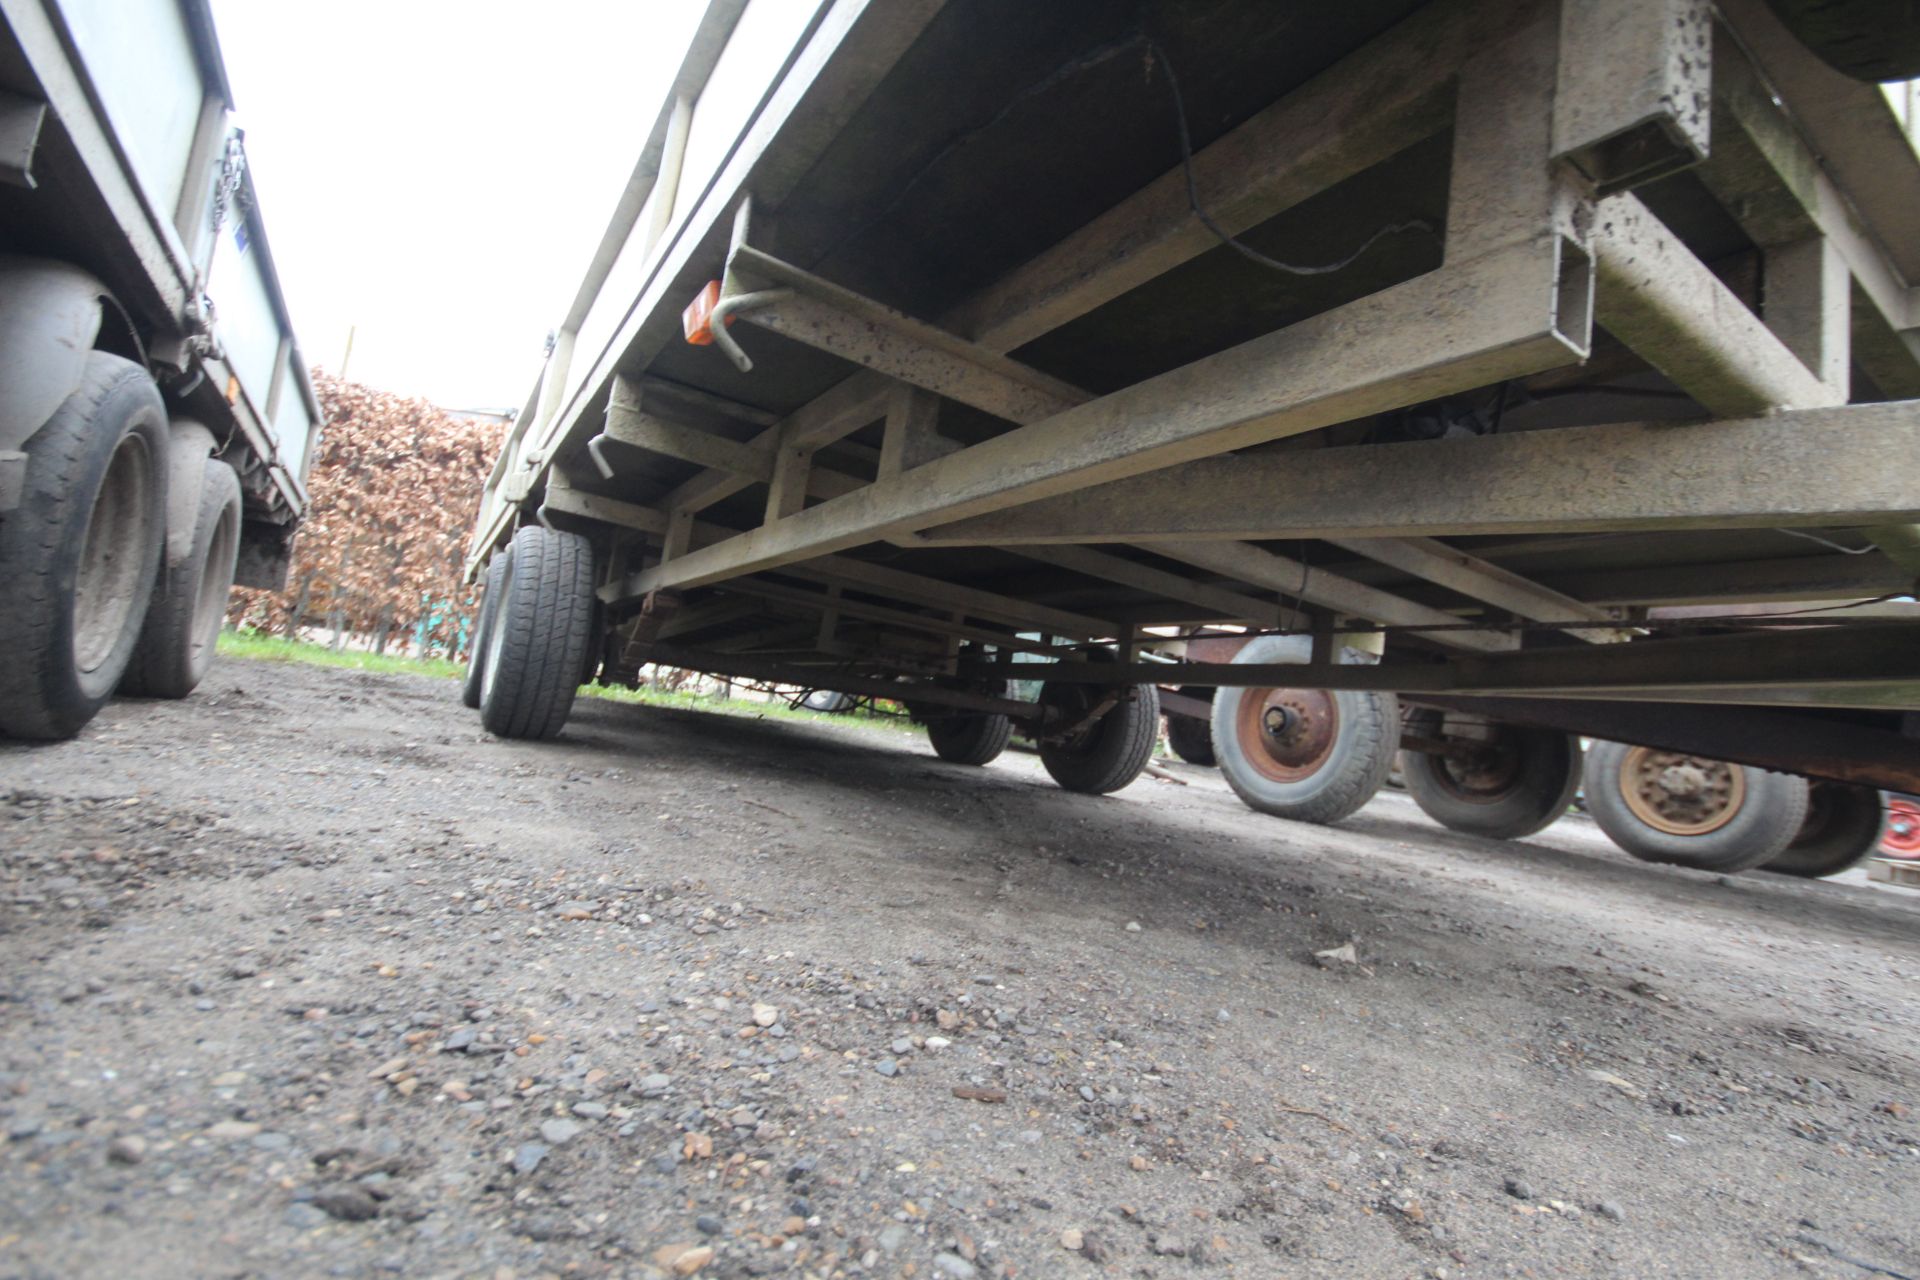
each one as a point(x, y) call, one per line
point(1225, 237)
point(1086, 62)
point(1828, 542)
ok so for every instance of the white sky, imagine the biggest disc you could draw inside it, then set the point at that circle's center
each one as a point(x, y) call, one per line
point(435, 174)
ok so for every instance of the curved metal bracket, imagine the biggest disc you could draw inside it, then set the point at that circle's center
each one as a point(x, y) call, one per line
point(727, 308)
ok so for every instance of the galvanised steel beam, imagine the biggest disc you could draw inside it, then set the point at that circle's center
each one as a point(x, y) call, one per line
point(1808, 468)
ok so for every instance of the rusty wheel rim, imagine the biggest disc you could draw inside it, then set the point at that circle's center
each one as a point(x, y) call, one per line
point(1902, 838)
point(1680, 794)
point(1287, 734)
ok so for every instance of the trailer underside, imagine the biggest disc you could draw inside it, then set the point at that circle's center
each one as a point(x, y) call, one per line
point(1558, 348)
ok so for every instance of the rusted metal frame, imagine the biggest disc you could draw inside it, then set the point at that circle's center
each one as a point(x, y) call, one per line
point(1814, 745)
point(1862, 666)
point(1478, 579)
point(838, 681)
point(1088, 718)
point(1810, 468)
point(1330, 591)
point(1634, 82)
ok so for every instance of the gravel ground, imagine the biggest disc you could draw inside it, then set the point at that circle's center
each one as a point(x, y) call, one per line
point(309, 976)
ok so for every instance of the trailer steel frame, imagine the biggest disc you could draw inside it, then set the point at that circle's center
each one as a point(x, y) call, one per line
point(828, 539)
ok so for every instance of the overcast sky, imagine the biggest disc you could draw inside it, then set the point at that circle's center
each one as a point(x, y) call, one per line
point(435, 174)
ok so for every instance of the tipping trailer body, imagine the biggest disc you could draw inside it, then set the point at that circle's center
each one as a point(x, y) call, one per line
point(130, 228)
point(1472, 334)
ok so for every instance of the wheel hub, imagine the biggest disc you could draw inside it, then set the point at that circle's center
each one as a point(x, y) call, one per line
point(1902, 838)
point(1483, 773)
point(1682, 781)
point(1287, 734)
point(1681, 794)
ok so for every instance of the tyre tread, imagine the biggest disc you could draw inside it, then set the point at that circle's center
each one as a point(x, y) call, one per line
point(32, 536)
point(1121, 749)
point(547, 612)
point(969, 739)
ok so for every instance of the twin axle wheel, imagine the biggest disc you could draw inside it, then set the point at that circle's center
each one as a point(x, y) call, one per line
point(1489, 779)
point(1311, 755)
point(1318, 756)
point(1096, 750)
point(535, 633)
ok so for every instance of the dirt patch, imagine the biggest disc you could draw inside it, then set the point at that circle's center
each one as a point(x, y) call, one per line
point(309, 976)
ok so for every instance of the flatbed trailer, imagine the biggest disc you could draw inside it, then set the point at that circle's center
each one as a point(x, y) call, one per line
point(1497, 356)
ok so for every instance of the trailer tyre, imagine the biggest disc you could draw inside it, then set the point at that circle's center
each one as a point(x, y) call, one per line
point(483, 629)
point(1872, 40)
point(1191, 738)
point(1692, 811)
point(969, 739)
point(1108, 754)
point(78, 557)
point(1509, 785)
point(534, 656)
point(183, 622)
point(1843, 826)
point(1311, 755)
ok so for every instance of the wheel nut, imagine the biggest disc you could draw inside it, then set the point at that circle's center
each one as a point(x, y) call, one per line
point(1682, 780)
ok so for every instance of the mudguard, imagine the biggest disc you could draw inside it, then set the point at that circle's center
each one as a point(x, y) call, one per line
point(49, 318)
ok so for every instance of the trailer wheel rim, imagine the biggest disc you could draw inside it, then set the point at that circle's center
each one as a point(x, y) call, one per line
point(1482, 772)
point(110, 555)
point(1679, 794)
point(1902, 838)
point(1287, 734)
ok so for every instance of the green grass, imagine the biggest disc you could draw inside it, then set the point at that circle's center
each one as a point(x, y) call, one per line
point(253, 646)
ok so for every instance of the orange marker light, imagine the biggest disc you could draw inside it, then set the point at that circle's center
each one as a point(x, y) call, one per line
point(697, 320)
